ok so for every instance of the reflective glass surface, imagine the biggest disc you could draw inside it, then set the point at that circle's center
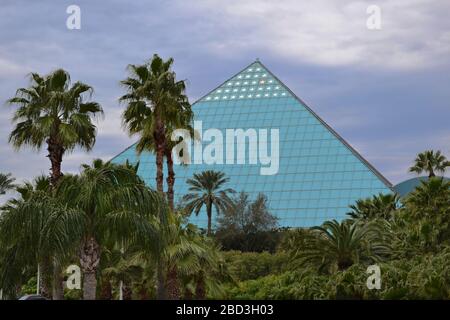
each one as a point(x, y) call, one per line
point(319, 174)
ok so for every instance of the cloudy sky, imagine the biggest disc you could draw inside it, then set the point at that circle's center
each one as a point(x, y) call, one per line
point(387, 92)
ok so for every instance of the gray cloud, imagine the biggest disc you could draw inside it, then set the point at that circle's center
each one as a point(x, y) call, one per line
point(372, 86)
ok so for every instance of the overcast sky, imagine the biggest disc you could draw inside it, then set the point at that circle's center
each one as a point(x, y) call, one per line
point(387, 92)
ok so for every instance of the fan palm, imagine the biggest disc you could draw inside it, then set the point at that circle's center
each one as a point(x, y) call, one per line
point(424, 224)
point(206, 189)
point(430, 162)
point(54, 112)
point(6, 183)
point(204, 270)
point(340, 245)
point(190, 258)
point(379, 206)
point(154, 101)
point(111, 203)
point(183, 121)
point(430, 195)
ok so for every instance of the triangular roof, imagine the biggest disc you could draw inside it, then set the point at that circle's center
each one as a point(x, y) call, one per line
point(320, 173)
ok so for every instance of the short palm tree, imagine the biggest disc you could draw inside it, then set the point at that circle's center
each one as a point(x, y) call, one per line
point(35, 226)
point(338, 246)
point(6, 183)
point(54, 112)
point(206, 189)
point(110, 203)
point(379, 206)
point(154, 101)
point(203, 271)
point(430, 162)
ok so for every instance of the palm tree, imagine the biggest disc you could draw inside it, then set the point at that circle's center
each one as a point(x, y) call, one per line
point(124, 268)
point(424, 224)
point(183, 121)
point(340, 245)
point(430, 198)
point(111, 203)
point(154, 100)
point(6, 183)
point(34, 227)
point(430, 162)
point(379, 206)
point(190, 258)
point(206, 189)
point(54, 112)
point(203, 271)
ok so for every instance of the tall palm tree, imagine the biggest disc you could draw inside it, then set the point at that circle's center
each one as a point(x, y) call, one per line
point(110, 202)
point(154, 100)
point(338, 246)
point(431, 162)
point(183, 121)
point(206, 189)
point(6, 183)
point(54, 112)
point(147, 143)
point(379, 206)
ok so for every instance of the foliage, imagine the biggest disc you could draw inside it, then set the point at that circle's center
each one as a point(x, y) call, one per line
point(55, 112)
point(252, 265)
point(6, 183)
point(431, 162)
point(379, 206)
point(156, 105)
point(247, 226)
point(338, 246)
point(206, 189)
point(424, 223)
point(426, 277)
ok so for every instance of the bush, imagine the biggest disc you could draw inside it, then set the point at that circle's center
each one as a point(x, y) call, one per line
point(252, 265)
point(425, 277)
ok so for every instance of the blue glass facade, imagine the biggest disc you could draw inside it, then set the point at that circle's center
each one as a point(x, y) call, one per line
point(319, 174)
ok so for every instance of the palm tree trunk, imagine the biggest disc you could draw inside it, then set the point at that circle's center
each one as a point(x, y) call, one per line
point(200, 291)
point(38, 279)
point(58, 282)
point(45, 270)
point(106, 289)
point(188, 294)
point(170, 178)
point(89, 261)
point(209, 214)
point(143, 292)
point(55, 154)
point(127, 291)
point(161, 282)
point(173, 286)
point(160, 150)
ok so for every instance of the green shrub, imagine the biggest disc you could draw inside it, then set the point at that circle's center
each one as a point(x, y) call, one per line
point(252, 265)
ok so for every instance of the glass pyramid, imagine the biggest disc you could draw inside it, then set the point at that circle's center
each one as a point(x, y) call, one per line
point(319, 174)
